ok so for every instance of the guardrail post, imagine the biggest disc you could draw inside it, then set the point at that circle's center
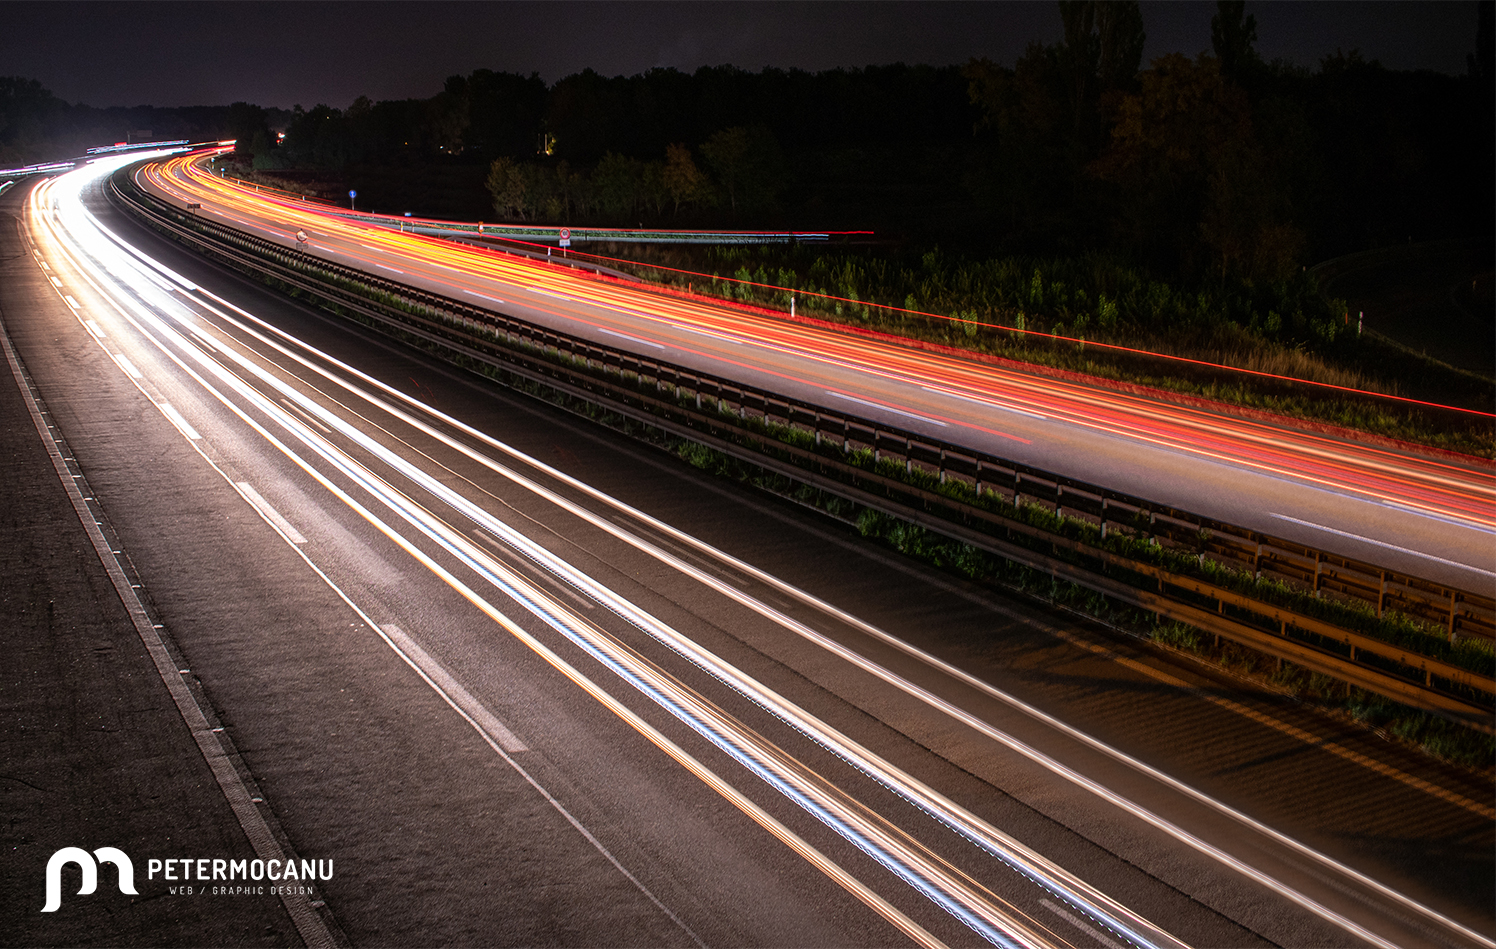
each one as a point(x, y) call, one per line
point(1382, 596)
point(1103, 521)
point(979, 477)
point(1318, 563)
point(1059, 499)
point(1454, 598)
point(908, 454)
point(942, 464)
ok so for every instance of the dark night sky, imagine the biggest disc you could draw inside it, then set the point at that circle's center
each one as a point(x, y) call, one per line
point(277, 54)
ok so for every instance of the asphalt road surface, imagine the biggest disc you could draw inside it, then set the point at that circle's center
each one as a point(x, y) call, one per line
point(527, 683)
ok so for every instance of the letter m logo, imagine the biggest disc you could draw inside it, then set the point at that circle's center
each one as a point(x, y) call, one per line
point(90, 868)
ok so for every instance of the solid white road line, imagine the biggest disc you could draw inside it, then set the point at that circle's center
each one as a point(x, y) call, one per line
point(1379, 543)
point(485, 720)
point(269, 513)
point(127, 365)
point(176, 419)
point(632, 339)
point(886, 408)
point(309, 923)
point(949, 892)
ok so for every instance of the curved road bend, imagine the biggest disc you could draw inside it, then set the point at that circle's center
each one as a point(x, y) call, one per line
point(655, 710)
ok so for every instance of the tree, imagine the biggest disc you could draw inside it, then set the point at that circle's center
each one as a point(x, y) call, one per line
point(522, 190)
point(1102, 51)
point(1080, 55)
point(444, 121)
point(683, 181)
point(1232, 36)
point(1120, 31)
point(319, 136)
point(245, 121)
point(748, 164)
point(27, 111)
point(618, 182)
point(504, 110)
point(267, 157)
point(653, 194)
point(1170, 139)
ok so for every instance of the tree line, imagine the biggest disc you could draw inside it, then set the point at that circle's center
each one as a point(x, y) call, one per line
point(1219, 164)
point(1216, 166)
point(36, 126)
point(1225, 164)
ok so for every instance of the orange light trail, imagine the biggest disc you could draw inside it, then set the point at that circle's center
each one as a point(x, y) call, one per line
point(821, 357)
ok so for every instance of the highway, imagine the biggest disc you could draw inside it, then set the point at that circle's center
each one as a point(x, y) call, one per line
point(466, 640)
point(1429, 516)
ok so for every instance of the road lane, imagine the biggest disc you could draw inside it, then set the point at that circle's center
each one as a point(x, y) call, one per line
point(206, 346)
point(444, 848)
point(969, 906)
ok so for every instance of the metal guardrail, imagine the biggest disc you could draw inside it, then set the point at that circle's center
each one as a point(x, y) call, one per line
point(690, 404)
point(552, 234)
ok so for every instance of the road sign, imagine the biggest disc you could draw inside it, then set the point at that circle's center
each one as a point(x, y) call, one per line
point(353, 194)
point(565, 237)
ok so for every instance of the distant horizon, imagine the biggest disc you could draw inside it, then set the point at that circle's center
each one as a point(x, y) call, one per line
point(132, 55)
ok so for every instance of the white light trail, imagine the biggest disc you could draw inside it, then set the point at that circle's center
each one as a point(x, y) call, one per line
point(559, 617)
